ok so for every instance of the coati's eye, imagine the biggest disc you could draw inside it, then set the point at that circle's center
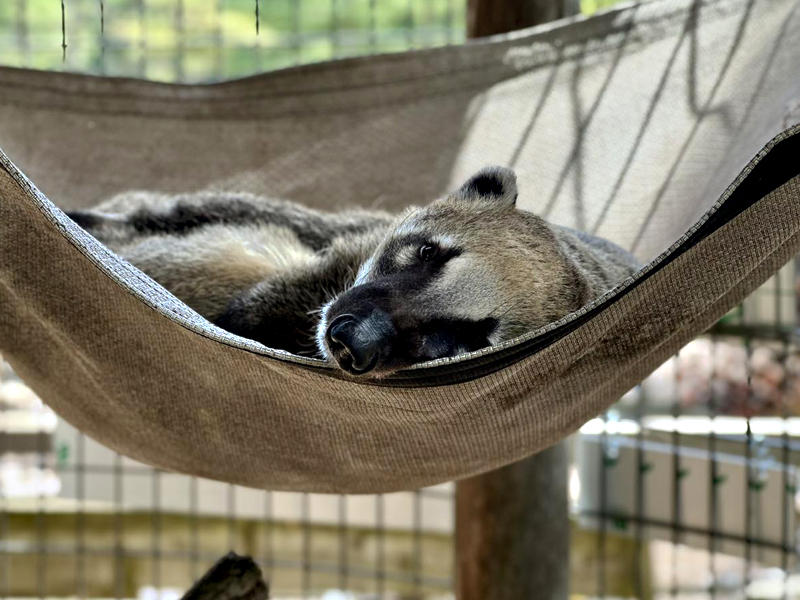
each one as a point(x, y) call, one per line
point(427, 252)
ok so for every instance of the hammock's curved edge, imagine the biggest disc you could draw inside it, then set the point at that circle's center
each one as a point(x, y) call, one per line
point(768, 170)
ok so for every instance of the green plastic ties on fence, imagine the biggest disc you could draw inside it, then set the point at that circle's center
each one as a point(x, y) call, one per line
point(756, 486)
point(719, 479)
point(63, 453)
point(682, 473)
point(646, 468)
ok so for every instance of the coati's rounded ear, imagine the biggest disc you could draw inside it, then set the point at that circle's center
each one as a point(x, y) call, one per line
point(493, 184)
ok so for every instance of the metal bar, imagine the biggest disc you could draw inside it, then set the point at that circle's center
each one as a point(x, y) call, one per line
point(678, 475)
point(750, 477)
point(295, 6)
point(307, 567)
point(194, 525)
point(684, 529)
point(219, 39)
point(642, 469)
point(715, 478)
point(5, 567)
point(142, 38)
point(343, 544)
point(231, 501)
point(119, 554)
point(602, 473)
point(373, 40)
point(334, 30)
point(23, 41)
point(102, 40)
point(784, 387)
point(380, 569)
point(63, 32)
point(156, 530)
point(269, 555)
point(41, 519)
point(180, 41)
point(400, 577)
point(417, 530)
point(80, 493)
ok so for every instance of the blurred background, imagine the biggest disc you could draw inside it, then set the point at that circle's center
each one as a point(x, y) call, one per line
point(686, 489)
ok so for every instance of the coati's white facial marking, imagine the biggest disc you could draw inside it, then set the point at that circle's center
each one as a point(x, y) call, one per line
point(466, 287)
point(363, 272)
point(322, 327)
point(406, 256)
point(403, 256)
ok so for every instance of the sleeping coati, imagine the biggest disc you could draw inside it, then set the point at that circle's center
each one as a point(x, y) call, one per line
point(368, 291)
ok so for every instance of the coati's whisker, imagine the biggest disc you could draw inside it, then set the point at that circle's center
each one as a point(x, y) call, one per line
point(510, 308)
point(512, 301)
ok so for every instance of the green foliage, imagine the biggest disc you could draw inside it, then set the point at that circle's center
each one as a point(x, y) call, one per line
point(589, 7)
point(203, 40)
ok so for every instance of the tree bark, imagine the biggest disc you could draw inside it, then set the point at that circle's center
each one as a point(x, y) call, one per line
point(512, 531)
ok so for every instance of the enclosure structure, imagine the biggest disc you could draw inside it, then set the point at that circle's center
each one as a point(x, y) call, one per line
point(526, 58)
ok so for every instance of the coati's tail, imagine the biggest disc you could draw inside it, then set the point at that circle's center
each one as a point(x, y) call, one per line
point(114, 230)
point(85, 219)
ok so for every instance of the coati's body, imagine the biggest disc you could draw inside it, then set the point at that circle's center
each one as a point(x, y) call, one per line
point(372, 291)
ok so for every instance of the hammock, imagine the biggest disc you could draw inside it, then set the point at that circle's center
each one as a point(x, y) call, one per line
point(631, 125)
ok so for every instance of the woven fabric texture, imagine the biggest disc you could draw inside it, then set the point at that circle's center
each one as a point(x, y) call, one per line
point(631, 125)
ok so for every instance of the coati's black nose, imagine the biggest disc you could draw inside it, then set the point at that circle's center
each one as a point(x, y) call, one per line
point(356, 343)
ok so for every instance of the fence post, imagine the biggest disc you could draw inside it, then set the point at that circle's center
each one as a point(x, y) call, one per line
point(488, 17)
point(512, 531)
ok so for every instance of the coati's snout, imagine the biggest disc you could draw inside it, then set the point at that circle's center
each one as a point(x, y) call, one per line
point(380, 327)
point(357, 343)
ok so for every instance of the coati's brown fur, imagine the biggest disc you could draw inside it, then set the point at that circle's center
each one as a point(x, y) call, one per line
point(366, 290)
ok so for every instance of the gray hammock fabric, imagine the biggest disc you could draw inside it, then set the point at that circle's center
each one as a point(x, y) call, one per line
point(631, 124)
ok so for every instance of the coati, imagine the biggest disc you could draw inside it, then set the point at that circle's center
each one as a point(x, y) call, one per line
point(368, 291)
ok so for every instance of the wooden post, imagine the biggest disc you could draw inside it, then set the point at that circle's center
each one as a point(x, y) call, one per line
point(512, 525)
point(489, 17)
point(512, 531)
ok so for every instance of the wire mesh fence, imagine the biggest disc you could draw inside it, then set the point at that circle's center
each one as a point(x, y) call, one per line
point(697, 465)
point(206, 40)
point(686, 489)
